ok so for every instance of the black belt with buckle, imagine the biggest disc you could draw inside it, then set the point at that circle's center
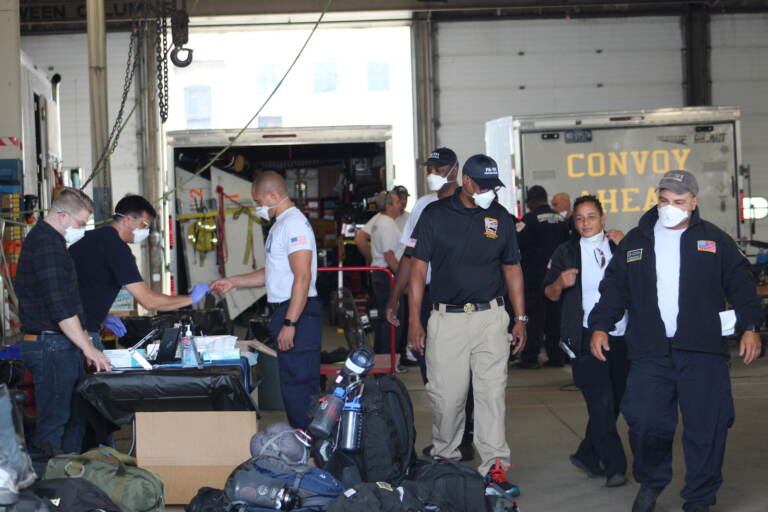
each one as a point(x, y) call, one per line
point(470, 307)
point(35, 335)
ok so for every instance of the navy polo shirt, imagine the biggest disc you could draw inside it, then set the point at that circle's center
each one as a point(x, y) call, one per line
point(466, 248)
point(104, 265)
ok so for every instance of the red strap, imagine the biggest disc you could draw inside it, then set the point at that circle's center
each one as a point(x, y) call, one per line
point(222, 247)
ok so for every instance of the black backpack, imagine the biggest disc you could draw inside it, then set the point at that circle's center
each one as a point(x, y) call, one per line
point(377, 497)
point(208, 499)
point(30, 502)
point(448, 486)
point(388, 436)
point(74, 495)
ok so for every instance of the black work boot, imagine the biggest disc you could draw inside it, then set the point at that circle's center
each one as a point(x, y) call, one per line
point(645, 501)
point(15, 465)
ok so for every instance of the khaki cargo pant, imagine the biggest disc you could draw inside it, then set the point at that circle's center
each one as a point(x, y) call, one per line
point(457, 344)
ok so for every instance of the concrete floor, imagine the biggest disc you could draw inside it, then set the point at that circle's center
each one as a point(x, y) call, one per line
point(545, 421)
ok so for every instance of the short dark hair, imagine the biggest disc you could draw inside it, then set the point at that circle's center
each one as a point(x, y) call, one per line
point(537, 193)
point(133, 206)
point(588, 199)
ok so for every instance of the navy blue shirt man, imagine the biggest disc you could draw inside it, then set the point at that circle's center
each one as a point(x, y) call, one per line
point(469, 240)
point(55, 343)
point(674, 274)
point(105, 264)
point(539, 233)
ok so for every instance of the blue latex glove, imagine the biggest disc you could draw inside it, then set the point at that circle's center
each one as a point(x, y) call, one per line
point(198, 292)
point(115, 325)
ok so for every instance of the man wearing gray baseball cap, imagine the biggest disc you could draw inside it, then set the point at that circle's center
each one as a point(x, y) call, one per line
point(674, 274)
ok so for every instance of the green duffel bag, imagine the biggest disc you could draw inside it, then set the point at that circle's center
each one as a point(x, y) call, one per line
point(133, 489)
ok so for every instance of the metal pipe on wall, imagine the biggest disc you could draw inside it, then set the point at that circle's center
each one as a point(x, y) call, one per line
point(97, 79)
point(149, 133)
point(424, 94)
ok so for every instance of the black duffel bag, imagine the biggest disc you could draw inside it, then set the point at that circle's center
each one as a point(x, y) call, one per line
point(74, 495)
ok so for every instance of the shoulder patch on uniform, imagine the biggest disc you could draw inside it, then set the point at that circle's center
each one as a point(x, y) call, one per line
point(520, 226)
point(550, 218)
point(298, 240)
point(634, 255)
point(491, 227)
point(706, 246)
point(411, 243)
point(386, 486)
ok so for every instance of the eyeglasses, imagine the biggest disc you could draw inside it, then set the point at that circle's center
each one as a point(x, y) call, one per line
point(599, 257)
point(147, 225)
point(80, 223)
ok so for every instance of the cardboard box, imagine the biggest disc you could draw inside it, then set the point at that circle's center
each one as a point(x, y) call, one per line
point(190, 450)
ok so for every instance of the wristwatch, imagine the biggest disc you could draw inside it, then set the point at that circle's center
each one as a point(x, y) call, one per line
point(522, 318)
point(289, 323)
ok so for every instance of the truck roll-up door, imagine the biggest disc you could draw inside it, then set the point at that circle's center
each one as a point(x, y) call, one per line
point(489, 69)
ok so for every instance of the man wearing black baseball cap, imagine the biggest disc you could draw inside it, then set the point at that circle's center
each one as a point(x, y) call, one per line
point(674, 273)
point(442, 169)
point(469, 241)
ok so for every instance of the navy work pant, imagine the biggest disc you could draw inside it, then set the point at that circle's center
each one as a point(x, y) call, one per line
point(602, 385)
point(700, 384)
point(543, 328)
point(380, 282)
point(299, 368)
point(57, 368)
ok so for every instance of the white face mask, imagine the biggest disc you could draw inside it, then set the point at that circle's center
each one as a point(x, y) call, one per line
point(139, 235)
point(671, 216)
point(484, 199)
point(595, 240)
point(263, 211)
point(436, 182)
point(72, 235)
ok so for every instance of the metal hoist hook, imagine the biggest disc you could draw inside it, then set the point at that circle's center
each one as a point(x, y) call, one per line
point(180, 33)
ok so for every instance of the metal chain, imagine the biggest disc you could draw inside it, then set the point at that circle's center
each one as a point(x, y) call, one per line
point(161, 45)
point(130, 68)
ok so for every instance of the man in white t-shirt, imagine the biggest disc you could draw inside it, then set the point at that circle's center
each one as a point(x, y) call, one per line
point(289, 275)
point(363, 235)
point(386, 251)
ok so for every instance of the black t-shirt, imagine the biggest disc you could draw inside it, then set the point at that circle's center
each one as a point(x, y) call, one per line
point(104, 264)
point(539, 233)
point(466, 248)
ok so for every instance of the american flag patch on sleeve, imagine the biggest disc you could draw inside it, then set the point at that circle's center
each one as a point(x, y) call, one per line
point(411, 243)
point(706, 246)
point(298, 240)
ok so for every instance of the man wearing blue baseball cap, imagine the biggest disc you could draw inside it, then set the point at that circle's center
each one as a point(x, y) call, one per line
point(469, 240)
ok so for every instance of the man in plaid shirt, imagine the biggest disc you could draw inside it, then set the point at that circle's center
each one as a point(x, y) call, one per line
point(55, 342)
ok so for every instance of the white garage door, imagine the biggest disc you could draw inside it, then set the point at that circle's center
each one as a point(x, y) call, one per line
point(740, 77)
point(487, 70)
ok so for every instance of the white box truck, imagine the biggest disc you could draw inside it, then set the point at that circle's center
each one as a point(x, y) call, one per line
point(620, 157)
point(307, 156)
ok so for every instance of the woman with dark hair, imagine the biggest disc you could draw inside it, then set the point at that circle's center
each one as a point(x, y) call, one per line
point(574, 274)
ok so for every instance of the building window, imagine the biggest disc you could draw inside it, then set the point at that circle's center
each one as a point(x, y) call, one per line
point(378, 76)
point(266, 78)
point(326, 77)
point(197, 106)
point(270, 121)
point(755, 207)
